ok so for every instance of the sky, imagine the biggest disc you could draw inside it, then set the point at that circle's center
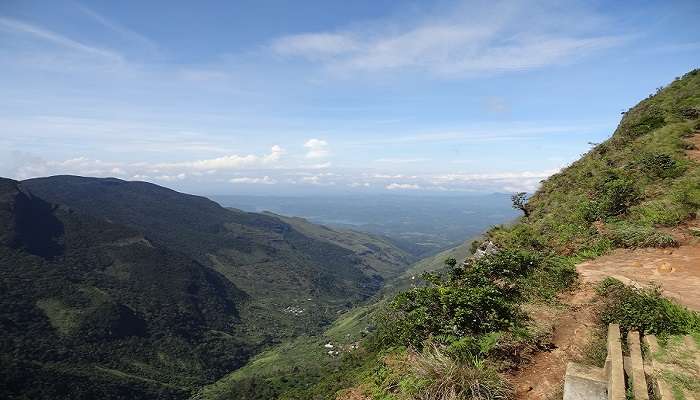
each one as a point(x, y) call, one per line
point(333, 97)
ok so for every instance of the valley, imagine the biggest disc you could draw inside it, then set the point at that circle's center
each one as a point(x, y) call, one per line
point(350, 200)
point(278, 281)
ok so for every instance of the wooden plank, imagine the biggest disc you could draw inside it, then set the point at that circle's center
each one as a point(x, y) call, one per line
point(636, 367)
point(661, 388)
point(615, 372)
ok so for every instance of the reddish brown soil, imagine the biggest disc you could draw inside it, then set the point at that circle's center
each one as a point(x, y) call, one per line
point(572, 329)
point(677, 270)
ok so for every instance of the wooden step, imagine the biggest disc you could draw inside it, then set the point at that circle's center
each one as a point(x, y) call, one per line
point(635, 369)
point(652, 369)
point(614, 364)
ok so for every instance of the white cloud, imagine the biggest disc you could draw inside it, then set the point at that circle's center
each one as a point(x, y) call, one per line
point(316, 148)
point(314, 44)
point(171, 178)
point(319, 166)
point(22, 28)
point(397, 176)
point(234, 161)
point(25, 166)
point(474, 39)
point(359, 184)
point(400, 160)
point(126, 33)
point(265, 180)
point(494, 176)
point(320, 179)
point(518, 181)
point(402, 186)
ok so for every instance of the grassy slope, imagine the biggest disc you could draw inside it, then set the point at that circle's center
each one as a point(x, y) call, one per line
point(378, 254)
point(620, 194)
point(304, 361)
point(622, 191)
point(428, 264)
point(294, 365)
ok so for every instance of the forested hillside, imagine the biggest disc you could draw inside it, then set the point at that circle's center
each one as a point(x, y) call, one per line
point(131, 289)
point(282, 269)
point(93, 309)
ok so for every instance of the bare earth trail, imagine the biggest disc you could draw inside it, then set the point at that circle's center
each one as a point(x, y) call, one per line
point(572, 325)
point(676, 270)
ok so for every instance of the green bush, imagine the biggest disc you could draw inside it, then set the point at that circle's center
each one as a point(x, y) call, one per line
point(628, 235)
point(480, 298)
point(644, 310)
point(660, 165)
point(613, 196)
point(616, 195)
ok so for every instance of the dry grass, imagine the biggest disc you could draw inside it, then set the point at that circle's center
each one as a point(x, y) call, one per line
point(452, 380)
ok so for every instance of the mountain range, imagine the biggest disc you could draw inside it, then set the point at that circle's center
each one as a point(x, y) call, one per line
point(119, 289)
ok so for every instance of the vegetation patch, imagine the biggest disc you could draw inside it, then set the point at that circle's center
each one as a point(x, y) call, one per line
point(64, 319)
point(645, 310)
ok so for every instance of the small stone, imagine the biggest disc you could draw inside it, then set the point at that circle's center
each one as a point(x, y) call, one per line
point(524, 388)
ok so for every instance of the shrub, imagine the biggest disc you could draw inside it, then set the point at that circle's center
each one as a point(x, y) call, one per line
point(686, 191)
point(660, 165)
point(628, 235)
point(641, 120)
point(480, 298)
point(454, 380)
point(660, 212)
point(645, 310)
point(553, 275)
point(613, 196)
point(616, 195)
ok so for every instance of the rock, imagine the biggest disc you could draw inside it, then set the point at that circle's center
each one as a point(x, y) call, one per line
point(523, 389)
point(485, 249)
point(665, 267)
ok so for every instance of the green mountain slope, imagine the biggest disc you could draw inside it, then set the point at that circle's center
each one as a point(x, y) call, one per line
point(302, 362)
point(429, 264)
point(625, 190)
point(378, 254)
point(296, 281)
point(93, 309)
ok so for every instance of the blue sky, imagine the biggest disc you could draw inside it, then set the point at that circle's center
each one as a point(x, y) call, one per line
point(291, 97)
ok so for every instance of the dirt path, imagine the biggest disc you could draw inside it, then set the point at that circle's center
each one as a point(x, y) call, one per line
point(676, 270)
point(572, 328)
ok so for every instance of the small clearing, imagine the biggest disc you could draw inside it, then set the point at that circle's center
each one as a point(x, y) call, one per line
point(676, 270)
